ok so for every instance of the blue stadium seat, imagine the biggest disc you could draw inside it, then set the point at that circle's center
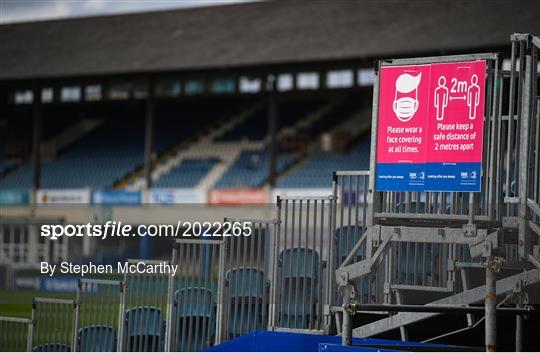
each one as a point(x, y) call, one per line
point(300, 286)
point(194, 305)
point(299, 262)
point(247, 311)
point(419, 267)
point(51, 347)
point(194, 301)
point(346, 238)
point(144, 329)
point(96, 338)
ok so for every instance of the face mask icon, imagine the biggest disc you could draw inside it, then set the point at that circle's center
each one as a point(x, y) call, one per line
point(406, 96)
point(405, 107)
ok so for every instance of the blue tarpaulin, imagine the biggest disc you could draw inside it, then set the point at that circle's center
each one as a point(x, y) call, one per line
point(270, 341)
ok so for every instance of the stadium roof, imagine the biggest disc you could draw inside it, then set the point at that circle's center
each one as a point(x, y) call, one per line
point(256, 34)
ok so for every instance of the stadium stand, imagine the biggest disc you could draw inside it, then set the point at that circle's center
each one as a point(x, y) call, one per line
point(177, 123)
point(84, 165)
point(235, 153)
point(251, 169)
point(19, 178)
point(188, 174)
point(121, 153)
point(256, 128)
point(316, 170)
point(6, 165)
point(196, 145)
point(105, 156)
point(240, 145)
point(302, 122)
point(14, 141)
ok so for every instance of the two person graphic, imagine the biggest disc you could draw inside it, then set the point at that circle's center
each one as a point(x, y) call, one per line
point(442, 95)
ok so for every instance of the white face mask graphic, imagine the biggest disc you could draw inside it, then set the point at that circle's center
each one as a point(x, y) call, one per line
point(406, 106)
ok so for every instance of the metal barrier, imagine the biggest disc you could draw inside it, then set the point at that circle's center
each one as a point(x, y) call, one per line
point(248, 273)
point(15, 334)
point(350, 191)
point(400, 265)
point(55, 325)
point(524, 72)
point(421, 266)
point(99, 316)
point(303, 252)
point(195, 295)
point(143, 319)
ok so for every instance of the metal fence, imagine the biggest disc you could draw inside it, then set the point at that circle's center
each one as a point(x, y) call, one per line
point(248, 274)
point(54, 325)
point(421, 266)
point(401, 264)
point(350, 192)
point(15, 334)
point(526, 171)
point(303, 252)
point(145, 311)
point(99, 315)
point(195, 294)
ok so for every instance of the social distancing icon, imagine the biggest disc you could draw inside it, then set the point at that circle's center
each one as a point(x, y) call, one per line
point(441, 98)
point(473, 96)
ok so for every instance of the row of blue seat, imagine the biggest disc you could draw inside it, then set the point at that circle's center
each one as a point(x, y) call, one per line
point(6, 165)
point(187, 175)
point(251, 169)
point(246, 287)
point(144, 326)
point(317, 170)
point(114, 149)
point(98, 160)
point(255, 128)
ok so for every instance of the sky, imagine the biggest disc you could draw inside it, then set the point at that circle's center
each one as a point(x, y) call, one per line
point(12, 11)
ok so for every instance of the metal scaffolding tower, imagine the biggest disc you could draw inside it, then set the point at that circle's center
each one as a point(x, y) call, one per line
point(434, 242)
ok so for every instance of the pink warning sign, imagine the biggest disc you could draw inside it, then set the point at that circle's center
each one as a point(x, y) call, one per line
point(430, 127)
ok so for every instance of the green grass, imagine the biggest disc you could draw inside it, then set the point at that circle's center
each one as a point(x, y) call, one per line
point(19, 303)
